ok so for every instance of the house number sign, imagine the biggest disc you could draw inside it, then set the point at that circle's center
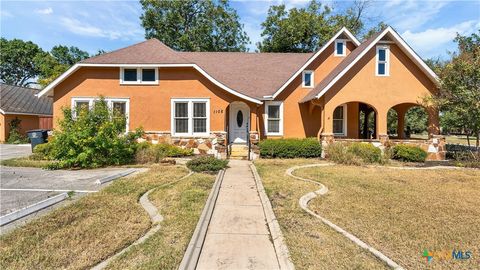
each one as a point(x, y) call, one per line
point(217, 111)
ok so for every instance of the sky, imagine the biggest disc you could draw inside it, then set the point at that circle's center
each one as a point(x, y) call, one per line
point(428, 26)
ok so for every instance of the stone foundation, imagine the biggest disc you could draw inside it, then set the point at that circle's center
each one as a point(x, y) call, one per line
point(435, 146)
point(215, 144)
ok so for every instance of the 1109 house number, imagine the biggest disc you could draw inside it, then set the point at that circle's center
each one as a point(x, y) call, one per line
point(217, 111)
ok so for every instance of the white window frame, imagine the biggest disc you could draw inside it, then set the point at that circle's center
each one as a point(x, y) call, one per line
point(265, 116)
point(190, 102)
point(109, 101)
point(386, 62)
point(139, 76)
point(312, 78)
point(344, 131)
point(344, 45)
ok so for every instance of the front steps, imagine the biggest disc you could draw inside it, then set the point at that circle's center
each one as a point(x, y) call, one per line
point(238, 151)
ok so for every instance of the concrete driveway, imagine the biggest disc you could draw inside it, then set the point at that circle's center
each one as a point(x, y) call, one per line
point(21, 187)
point(8, 151)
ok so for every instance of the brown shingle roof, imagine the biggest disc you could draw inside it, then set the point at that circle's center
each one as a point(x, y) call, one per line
point(16, 99)
point(252, 74)
point(151, 51)
point(340, 67)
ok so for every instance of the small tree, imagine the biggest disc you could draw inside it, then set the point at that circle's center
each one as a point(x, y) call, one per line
point(93, 138)
point(459, 95)
point(14, 136)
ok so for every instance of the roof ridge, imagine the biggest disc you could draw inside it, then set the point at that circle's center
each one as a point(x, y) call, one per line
point(124, 48)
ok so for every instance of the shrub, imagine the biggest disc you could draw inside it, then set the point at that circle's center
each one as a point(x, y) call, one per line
point(93, 138)
point(153, 153)
point(14, 136)
point(409, 153)
point(42, 151)
point(206, 164)
point(354, 153)
point(290, 148)
point(367, 152)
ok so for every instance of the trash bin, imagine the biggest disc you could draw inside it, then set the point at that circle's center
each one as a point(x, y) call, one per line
point(37, 136)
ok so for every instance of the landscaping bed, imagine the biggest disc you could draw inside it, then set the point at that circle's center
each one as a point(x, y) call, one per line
point(87, 231)
point(399, 212)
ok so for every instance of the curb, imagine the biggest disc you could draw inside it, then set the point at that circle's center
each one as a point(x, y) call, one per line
point(305, 199)
point(4, 220)
point(281, 249)
point(192, 254)
point(115, 176)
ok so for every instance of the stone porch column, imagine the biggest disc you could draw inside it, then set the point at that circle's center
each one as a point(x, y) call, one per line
point(401, 112)
point(433, 122)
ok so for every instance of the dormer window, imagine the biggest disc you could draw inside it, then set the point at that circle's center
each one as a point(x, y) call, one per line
point(138, 75)
point(340, 47)
point(383, 61)
point(307, 79)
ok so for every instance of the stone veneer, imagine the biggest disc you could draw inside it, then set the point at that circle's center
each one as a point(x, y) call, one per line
point(435, 146)
point(214, 145)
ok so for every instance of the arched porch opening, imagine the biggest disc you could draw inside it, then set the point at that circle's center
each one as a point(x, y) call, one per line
point(409, 121)
point(367, 120)
point(355, 120)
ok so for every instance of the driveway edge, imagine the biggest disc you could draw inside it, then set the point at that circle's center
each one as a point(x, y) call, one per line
point(281, 249)
point(192, 254)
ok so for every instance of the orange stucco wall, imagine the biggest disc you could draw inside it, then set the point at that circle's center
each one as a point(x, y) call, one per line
point(406, 84)
point(28, 122)
point(303, 120)
point(150, 105)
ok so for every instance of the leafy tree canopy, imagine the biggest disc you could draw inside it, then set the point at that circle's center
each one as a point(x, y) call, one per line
point(194, 25)
point(17, 64)
point(307, 29)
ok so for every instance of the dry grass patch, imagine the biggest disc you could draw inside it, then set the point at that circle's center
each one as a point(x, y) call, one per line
point(181, 205)
point(312, 244)
point(25, 162)
point(87, 231)
point(403, 212)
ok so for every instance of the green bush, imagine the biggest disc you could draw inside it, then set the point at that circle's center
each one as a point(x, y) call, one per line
point(206, 164)
point(290, 148)
point(367, 152)
point(153, 153)
point(14, 136)
point(354, 153)
point(409, 153)
point(42, 151)
point(94, 138)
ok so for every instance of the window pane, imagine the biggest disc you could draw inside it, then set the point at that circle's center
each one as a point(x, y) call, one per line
point(338, 113)
point(274, 111)
point(199, 110)
point(148, 75)
point(81, 106)
point(340, 48)
point(382, 55)
point(273, 126)
point(130, 75)
point(381, 68)
point(338, 126)
point(119, 108)
point(200, 125)
point(181, 125)
point(181, 109)
point(307, 79)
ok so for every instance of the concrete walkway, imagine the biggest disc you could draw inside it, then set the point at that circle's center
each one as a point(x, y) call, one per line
point(237, 236)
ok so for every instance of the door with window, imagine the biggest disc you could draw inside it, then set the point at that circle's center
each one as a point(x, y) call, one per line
point(239, 120)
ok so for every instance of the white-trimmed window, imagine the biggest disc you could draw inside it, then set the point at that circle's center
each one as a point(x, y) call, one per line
point(139, 75)
point(340, 120)
point(120, 106)
point(383, 61)
point(340, 47)
point(308, 79)
point(274, 118)
point(190, 117)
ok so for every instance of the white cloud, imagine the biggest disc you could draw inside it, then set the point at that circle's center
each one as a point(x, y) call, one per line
point(122, 31)
point(430, 42)
point(5, 14)
point(45, 11)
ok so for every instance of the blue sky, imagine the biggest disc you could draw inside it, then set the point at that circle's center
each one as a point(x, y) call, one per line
point(428, 26)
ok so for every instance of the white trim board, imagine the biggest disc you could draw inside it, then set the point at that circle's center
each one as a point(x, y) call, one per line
point(195, 66)
point(313, 57)
point(403, 46)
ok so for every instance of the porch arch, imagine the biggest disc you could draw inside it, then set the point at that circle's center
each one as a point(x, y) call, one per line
point(402, 127)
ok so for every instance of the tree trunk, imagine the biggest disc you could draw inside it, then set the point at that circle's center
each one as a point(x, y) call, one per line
point(468, 139)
